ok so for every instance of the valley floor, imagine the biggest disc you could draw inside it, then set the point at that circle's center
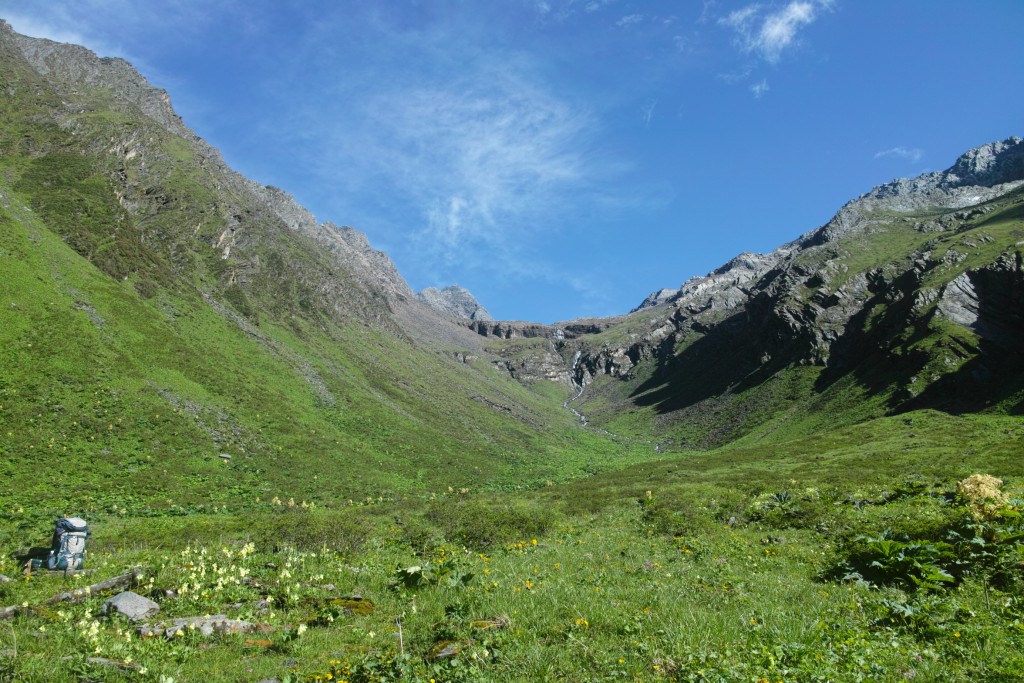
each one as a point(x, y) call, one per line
point(705, 567)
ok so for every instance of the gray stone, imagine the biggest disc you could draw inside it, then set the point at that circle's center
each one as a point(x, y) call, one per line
point(207, 626)
point(131, 605)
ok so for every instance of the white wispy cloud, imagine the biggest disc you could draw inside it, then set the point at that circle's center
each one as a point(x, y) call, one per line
point(740, 19)
point(760, 88)
point(647, 111)
point(769, 33)
point(682, 43)
point(736, 76)
point(630, 19)
point(707, 9)
point(912, 154)
point(482, 162)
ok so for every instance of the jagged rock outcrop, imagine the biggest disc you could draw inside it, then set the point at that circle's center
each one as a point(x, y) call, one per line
point(723, 287)
point(455, 302)
point(993, 166)
point(71, 67)
point(989, 301)
point(546, 365)
point(511, 330)
point(656, 298)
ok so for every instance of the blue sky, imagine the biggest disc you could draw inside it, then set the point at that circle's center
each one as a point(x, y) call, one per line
point(564, 158)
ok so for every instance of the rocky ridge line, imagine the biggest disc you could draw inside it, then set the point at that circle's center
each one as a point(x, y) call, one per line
point(455, 302)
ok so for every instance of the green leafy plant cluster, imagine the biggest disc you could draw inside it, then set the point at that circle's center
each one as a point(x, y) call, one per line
point(988, 547)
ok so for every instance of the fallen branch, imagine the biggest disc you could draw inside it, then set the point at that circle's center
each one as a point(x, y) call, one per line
point(122, 582)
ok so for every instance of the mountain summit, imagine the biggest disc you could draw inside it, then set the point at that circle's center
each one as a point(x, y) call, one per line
point(454, 301)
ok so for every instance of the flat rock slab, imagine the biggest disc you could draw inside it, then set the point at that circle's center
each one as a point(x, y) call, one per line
point(131, 605)
point(446, 649)
point(218, 623)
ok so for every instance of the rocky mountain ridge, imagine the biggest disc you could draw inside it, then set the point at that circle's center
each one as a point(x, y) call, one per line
point(978, 175)
point(74, 70)
point(454, 301)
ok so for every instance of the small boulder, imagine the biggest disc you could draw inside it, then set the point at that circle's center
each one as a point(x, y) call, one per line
point(131, 605)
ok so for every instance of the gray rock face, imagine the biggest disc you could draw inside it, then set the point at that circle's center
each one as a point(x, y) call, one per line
point(959, 301)
point(723, 288)
point(455, 302)
point(547, 365)
point(989, 300)
point(511, 330)
point(131, 605)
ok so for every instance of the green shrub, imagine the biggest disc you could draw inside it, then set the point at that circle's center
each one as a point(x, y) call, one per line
point(311, 529)
point(990, 549)
point(419, 533)
point(787, 509)
point(691, 511)
point(487, 522)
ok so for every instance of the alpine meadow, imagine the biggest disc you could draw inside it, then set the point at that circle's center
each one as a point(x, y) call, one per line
point(804, 466)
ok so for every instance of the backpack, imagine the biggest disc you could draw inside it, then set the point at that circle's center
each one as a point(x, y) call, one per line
point(67, 550)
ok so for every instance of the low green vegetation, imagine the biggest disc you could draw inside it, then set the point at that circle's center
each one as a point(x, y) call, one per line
point(725, 567)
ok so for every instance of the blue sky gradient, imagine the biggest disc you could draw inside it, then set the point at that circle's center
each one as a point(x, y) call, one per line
point(564, 158)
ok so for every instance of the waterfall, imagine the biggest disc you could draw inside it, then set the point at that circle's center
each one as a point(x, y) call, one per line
point(578, 385)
